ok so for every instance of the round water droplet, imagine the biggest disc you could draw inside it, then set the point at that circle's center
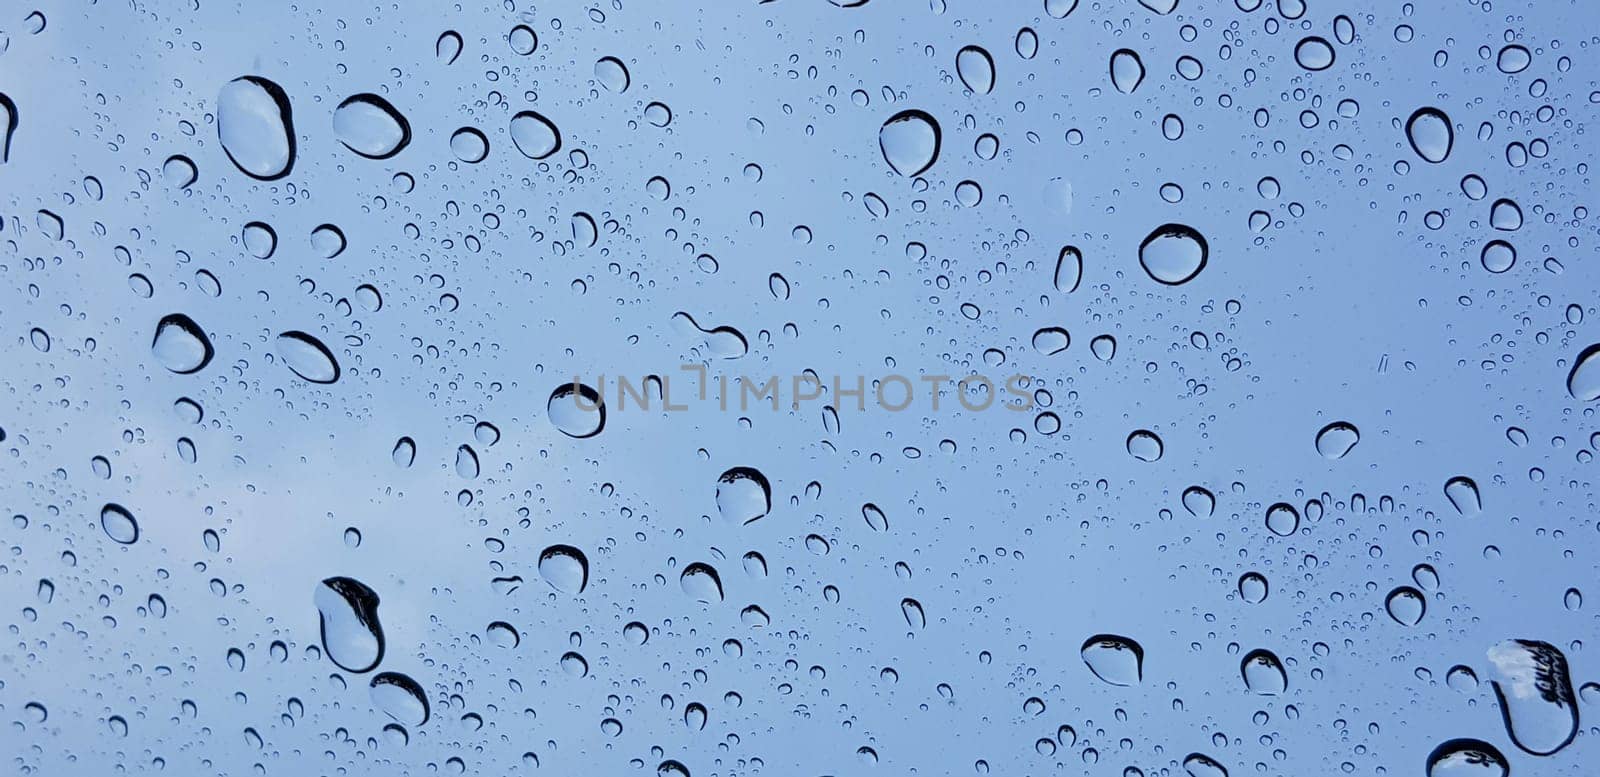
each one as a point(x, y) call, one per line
point(909, 141)
point(1173, 254)
point(307, 357)
point(1253, 587)
point(522, 39)
point(327, 240)
point(1263, 673)
point(1336, 439)
point(119, 524)
point(502, 634)
point(565, 568)
point(1406, 605)
point(1463, 495)
point(612, 74)
point(1282, 519)
point(535, 136)
point(1505, 216)
point(1127, 70)
point(400, 697)
point(1314, 53)
point(576, 410)
point(259, 239)
point(469, 145)
point(351, 635)
point(976, 69)
point(1144, 445)
point(370, 126)
point(1498, 256)
point(1467, 758)
point(1113, 659)
point(743, 495)
point(701, 582)
point(1534, 688)
point(179, 171)
point(1513, 59)
point(180, 345)
point(256, 127)
point(1430, 134)
point(1058, 9)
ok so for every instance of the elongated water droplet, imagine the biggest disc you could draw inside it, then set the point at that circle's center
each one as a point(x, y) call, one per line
point(448, 46)
point(1198, 765)
point(1406, 605)
point(1027, 43)
point(119, 524)
point(1173, 254)
point(1069, 269)
point(694, 716)
point(400, 697)
point(535, 136)
point(743, 495)
point(1430, 134)
point(915, 617)
point(1263, 673)
point(1463, 495)
point(1467, 758)
point(8, 126)
point(180, 345)
point(405, 452)
point(1058, 9)
point(1583, 382)
point(1534, 688)
point(577, 410)
point(875, 518)
point(565, 568)
point(256, 127)
point(976, 69)
point(1127, 70)
point(701, 582)
point(351, 634)
point(307, 357)
point(371, 126)
point(1336, 439)
point(1113, 659)
point(466, 462)
point(910, 141)
point(612, 74)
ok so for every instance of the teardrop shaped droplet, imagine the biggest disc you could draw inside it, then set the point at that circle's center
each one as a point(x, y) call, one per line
point(1406, 605)
point(576, 410)
point(1430, 134)
point(743, 495)
point(448, 46)
point(1534, 688)
point(1583, 382)
point(371, 126)
point(1127, 70)
point(909, 141)
point(976, 69)
point(1069, 269)
point(1263, 673)
point(1173, 254)
point(1199, 501)
point(256, 127)
point(1113, 659)
point(180, 345)
point(351, 635)
point(405, 452)
point(915, 616)
point(1336, 439)
point(307, 357)
point(875, 517)
point(400, 697)
point(119, 524)
point(1462, 492)
point(612, 74)
point(701, 582)
point(535, 136)
point(1467, 758)
point(565, 568)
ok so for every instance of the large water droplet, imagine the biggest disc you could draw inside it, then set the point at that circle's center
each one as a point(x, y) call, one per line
point(912, 611)
point(1116, 660)
point(1534, 687)
point(577, 410)
point(1513, 59)
point(1463, 495)
point(1467, 758)
point(180, 345)
point(351, 634)
point(1173, 254)
point(1263, 673)
point(1406, 605)
point(612, 74)
point(1058, 9)
point(307, 357)
point(1253, 587)
point(1583, 382)
point(469, 145)
point(1198, 765)
point(565, 568)
point(1069, 269)
point(256, 127)
point(119, 524)
point(1144, 445)
point(1314, 53)
point(371, 126)
point(400, 697)
point(260, 239)
point(743, 495)
point(701, 582)
point(976, 69)
point(405, 452)
point(1127, 70)
point(1430, 134)
point(1336, 439)
point(910, 142)
point(1282, 519)
point(535, 136)
point(1200, 502)
point(8, 126)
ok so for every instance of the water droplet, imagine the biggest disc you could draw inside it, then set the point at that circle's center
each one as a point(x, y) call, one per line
point(466, 462)
point(1263, 673)
point(179, 171)
point(911, 609)
point(909, 141)
point(448, 46)
point(1513, 59)
point(1144, 445)
point(1027, 43)
point(327, 240)
point(256, 127)
point(1314, 53)
point(1058, 9)
point(1282, 519)
point(1406, 605)
point(1051, 340)
point(1430, 134)
point(694, 716)
point(976, 69)
point(469, 145)
point(1583, 383)
point(1113, 659)
point(535, 136)
point(1069, 269)
point(875, 517)
point(612, 74)
point(701, 582)
point(1498, 256)
point(1463, 495)
point(1336, 439)
point(1173, 254)
point(371, 126)
point(1198, 765)
point(1200, 502)
point(1104, 347)
point(351, 634)
point(1127, 70)
point(1572, 599)
point(307, 357)
point(577, 410)
point(1505, 216)
point(405, 452)
point(1534, 688)
point(522, 39)
point(1253, 587)
point(743, 495)
point(259, 239)
point(1467, 758)
point(119, 524)
point(8, 126)
point(565, 568)
point(180, 345)
point(502, 634)
point(400, 697)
